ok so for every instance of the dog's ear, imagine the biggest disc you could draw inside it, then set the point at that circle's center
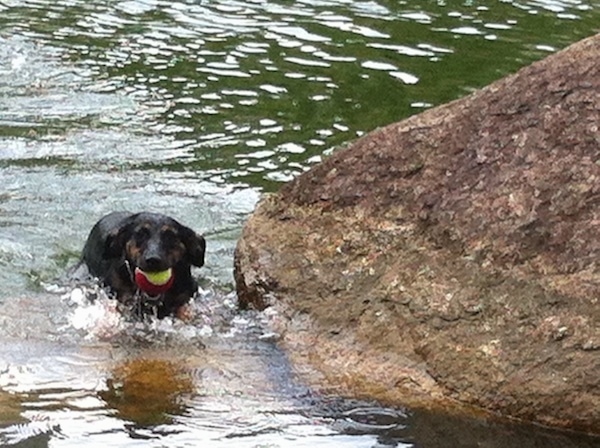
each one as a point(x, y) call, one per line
point(114, 244)
point(195, 246)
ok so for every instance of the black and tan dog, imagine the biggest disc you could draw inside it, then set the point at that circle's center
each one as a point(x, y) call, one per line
point(146, 259)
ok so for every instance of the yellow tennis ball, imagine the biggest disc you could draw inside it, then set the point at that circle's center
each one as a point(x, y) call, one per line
point(160, 277)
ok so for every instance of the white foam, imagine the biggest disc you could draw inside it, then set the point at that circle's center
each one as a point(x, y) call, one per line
point(94, 313)
point(98, 317)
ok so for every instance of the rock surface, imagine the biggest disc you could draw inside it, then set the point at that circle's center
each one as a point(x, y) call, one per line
point(451, 259)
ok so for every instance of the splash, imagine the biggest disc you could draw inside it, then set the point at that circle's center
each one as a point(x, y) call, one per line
point(94, 313)
point(98, 317)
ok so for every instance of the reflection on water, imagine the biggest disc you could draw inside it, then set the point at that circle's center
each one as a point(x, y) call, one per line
point(160, 382)
point(193, 108)
point(147, 392)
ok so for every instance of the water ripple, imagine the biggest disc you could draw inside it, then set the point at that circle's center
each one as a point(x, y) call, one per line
point(191, 67)
point(193, 108)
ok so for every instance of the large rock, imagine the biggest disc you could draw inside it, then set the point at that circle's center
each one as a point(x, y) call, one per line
point(452, 257)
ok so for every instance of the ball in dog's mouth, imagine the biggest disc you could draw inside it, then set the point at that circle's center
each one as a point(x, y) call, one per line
point(155, 282)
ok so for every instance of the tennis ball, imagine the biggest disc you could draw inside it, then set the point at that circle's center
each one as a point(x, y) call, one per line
point(158, 278)
point(154, 283)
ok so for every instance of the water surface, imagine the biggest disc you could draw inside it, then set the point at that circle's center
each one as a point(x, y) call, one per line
point(194, 108)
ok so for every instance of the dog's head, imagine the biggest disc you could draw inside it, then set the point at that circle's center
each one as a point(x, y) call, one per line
point(155, 242)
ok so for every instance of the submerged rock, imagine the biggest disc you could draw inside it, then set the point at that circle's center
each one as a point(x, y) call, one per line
point(451, 258)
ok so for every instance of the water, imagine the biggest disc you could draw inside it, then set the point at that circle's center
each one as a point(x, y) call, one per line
point(193, 108)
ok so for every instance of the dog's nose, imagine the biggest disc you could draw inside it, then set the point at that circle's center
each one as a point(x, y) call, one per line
point(153, 263)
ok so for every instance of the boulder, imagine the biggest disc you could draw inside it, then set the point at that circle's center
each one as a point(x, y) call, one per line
point(451, 259)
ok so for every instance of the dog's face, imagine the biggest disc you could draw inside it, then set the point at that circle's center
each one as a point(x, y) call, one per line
point(154, 242)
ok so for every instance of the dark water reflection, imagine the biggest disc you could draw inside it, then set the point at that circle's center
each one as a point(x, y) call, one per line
point(194, 108)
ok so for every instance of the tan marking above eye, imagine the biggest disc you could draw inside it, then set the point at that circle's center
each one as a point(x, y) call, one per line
point(145, 226)
point(168, 229)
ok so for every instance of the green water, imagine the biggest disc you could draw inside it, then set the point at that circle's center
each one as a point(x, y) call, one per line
point(194, 108)
point(253, 92)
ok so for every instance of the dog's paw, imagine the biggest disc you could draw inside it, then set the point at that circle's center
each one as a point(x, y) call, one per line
point(185, 313)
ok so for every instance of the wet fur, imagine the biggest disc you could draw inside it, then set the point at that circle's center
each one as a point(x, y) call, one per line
point(122, 241)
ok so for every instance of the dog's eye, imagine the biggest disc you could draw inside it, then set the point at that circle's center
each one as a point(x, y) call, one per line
point(141, 234)
point(169, 236)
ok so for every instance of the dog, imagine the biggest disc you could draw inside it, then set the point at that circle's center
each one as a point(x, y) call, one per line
point(145, 259)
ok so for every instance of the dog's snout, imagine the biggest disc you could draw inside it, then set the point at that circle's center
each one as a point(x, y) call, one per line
point(153, 258)
point(153, 263)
